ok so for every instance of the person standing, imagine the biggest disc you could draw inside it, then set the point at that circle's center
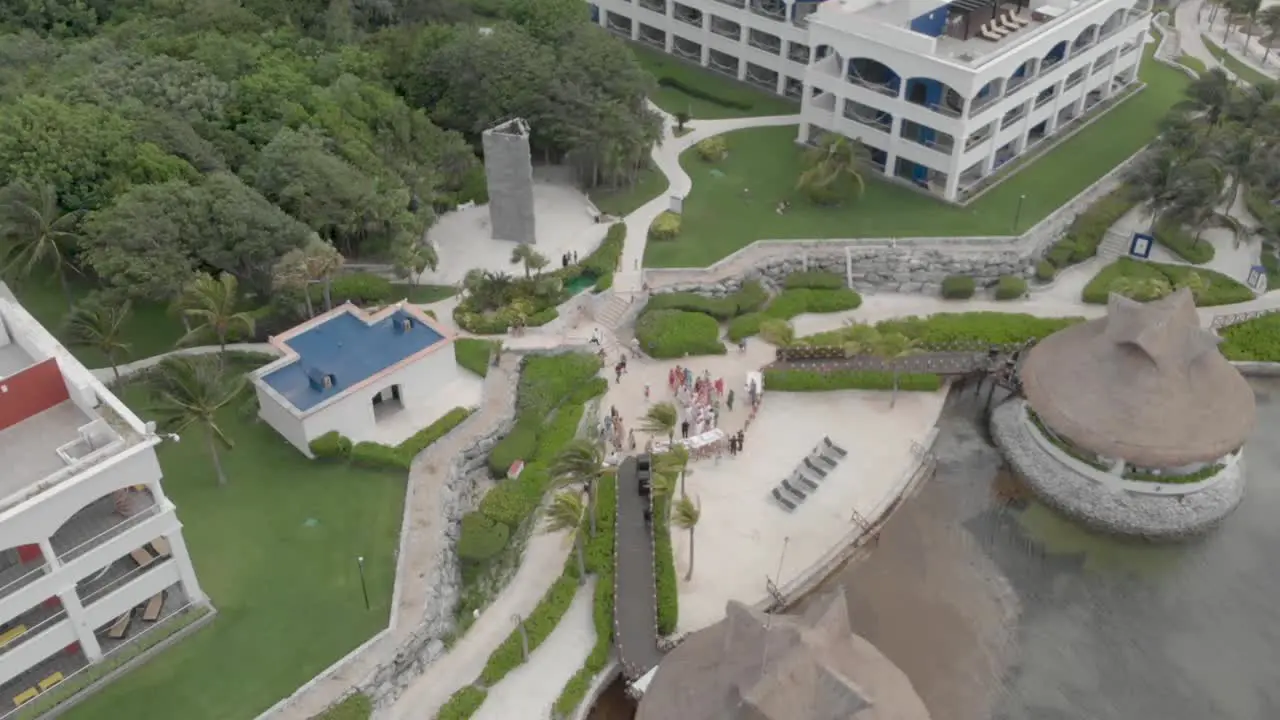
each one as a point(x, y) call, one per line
point(729, 401)
point(684, 429)
point(741, 437)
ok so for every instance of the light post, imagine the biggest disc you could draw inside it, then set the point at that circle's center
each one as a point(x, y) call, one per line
point(364, 588)
point(524, 634)
point(1017, 214)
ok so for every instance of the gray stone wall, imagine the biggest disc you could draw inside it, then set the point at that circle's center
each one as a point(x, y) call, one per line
point(508, 169)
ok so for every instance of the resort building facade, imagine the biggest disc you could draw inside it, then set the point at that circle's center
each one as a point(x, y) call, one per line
point(941, 94)
point(376, 377)
point(95, 555)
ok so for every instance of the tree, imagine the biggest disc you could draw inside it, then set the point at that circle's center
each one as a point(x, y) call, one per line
point(190, 391)
point(893, 347)
point(1209, 93)
point(685, 514)
point(548, 21)
point(833, 161)
point(36, 233)
point(565, 514)
point(1236, 148)
point(300, 268)
point(661, 419)
point(1154, 181)
point(580, 463)
point(100, 326)
point(1248, 9)
point(209, 304)
point(525, 253)
point(1142, 289)
point(860, 339)
point(778, 332)
point(1269, 19)
point(682, 119)
point(411, 257)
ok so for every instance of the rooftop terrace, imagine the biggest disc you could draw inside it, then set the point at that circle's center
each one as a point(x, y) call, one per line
point(13, 358)
point(344, 350)
point(29, 450)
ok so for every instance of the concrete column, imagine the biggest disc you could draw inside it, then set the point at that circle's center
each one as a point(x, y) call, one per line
point(157, 492)
point(635, 29)
point(186, 571)
point(706, 54)
point(667, 39)
point(891, 152)
point(954, 168)
point(953, 185)
point(1111, 73)
point(1026, 127)
point(781, 87)
point(989, 163)
point(84, 634)
point(50, 557)
point(1057, 105)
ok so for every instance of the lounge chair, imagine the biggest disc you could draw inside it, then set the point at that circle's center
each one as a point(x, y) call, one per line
point(782, 500)
point(994, 28)
point(154, 605)
point(1004, 21)
point(143, 557)
point(806, 481)
point(822, 458)
point(1013, 16)
point(808, 463)
point(120, 626)
point(800, 495)
point(986, 34)
point(834, 448)
point(25, 697)
point(50, 681)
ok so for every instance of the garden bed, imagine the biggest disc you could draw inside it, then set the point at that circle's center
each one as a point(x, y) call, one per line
point(1217, 289)
point(1256, 340)
point(944, 331)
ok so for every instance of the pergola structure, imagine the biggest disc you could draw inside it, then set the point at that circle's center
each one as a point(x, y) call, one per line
point(977, 12)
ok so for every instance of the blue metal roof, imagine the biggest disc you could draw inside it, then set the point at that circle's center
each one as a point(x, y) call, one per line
point(343, 351)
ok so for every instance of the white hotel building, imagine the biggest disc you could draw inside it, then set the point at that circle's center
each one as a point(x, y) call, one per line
point(942, 94)
point(91, 550)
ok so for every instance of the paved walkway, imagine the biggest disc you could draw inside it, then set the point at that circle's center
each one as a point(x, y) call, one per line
point(1248, 51)
point(1186, 22)
point(635, 609)
point(106, 375)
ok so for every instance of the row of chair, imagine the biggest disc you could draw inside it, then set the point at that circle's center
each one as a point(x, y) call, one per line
point(32, 693)
point(1002, 25)
point(805, 479)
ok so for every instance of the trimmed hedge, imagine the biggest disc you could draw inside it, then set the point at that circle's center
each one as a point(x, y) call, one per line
point(945, 330)
point(475, 354)
point(538, 625)
point(480, 537)
point(356, 706)
point(664, 561)
point(1218, 288)
point(1256, 340)
point(809, 380)
point(713, 149)
point(604, 282)
point(605, 258)
point(1045, 271)
point(678, 333)
point(422, 439)
point(665, 227)
point(814, 280)
point(958, 287)
point(377, 456)
point(1010, 287)
point(793, 302)
point(699, 93)
point(385, 457)
point(331, 446)
point(744, 326)
point(1086, 232)
point(751, 297)
point(463, 704)
point(1182, 243)
point(519, 444)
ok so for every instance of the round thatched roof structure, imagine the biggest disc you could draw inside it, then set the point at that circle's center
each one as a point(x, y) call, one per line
point(750, 666)
point(1146, 384)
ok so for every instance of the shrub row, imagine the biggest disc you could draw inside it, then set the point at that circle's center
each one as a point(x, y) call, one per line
point(1203, 473)
point(475, 354)
point(1085, 457)
point(958, 287)
point(751, 297)
point(664, 562)
point(1089, 228)
point(678, 333)
point(1256, 340)
point(463, 704)
point(792, 302)
point(810, 380)
point(336, 447)
point(1215, 288)
point(744, 326)
point(946, 330)
point(1182, 243)
point(604, 282)
point(814, 280)
point(701, 94)
point(1010, 287)
point(538, 625)
point(359, 288)
point(605, 258)
point(499, 322)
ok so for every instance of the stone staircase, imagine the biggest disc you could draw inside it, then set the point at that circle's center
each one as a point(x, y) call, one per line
point(1113, 246)
point(613, 311)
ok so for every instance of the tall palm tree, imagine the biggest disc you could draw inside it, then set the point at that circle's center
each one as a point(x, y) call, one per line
point(100, 326)
point(893, 347)
point(1210, 93)
point(291, 272)
point(209, 304)
point(1269, 19)
point(1249, 9)
point(565, 514)
point(411, 258)
point(859, 338)
point(531, 258)
point(190, 391)
point(35, 233)
point(685, 514)
point(580, 463)
point(833, 159)
point(1153, 181)
point(1236, 148)
point(661, 419)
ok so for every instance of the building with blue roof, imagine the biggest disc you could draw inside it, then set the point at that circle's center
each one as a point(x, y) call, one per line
point(358, 373)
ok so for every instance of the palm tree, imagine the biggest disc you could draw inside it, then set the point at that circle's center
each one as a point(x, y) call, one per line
point(209, 303)
point(833, 159)
point(1236, 148)
point(411, 258)
point(100, 326)
point(35, 233)
point(777, 332)
point(531, 258)
point(859, 339)
point(580, 463)
point(661, 418)
point(667, 468)
point(565, 515)
point(1153, 181)
point(893, 347)
point(321, 263)
point(1249, 9)
point(685, 513)
point(190, 391)
point(1269, 19)
point(1210, 93)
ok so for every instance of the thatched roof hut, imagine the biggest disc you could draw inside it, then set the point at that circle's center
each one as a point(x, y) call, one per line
point(751, 666)
point(1145, 383)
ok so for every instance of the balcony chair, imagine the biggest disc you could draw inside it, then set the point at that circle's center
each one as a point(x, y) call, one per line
point(154, 605)
point(142, 556)
point(120, 627)
point(25, 697)
point(50, 681)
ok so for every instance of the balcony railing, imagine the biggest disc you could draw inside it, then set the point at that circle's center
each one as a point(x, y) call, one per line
point(716, 61)
point(1050, 64)
point(618, 27)
point(760, 78)
point(27, 633)
point(688, 15)
point(793, 89)
point(1045, 100)
point(767, 43)
point(1102, 64)
point(1009, 120)
point(771, 10)
point(740, 4)
point(941, 145)
point(137, 518)
point(726, 28)
point(658, 6)
point(1016, 82)
point(877, 87)
point(983, 103)
point(879, 122)
point(657, 41)
point(976, 139)
point(1125, 50)
point(692, 51)
point(943, 109)
point(798, 53)
point(1073, 81)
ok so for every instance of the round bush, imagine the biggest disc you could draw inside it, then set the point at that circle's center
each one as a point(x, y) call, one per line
point(958, 287)
point(1060, 253)
point(1045, 271)
point(1010, 287)
point(676, 333)
point(665, 227)
point(713, 149)
point(481, 538)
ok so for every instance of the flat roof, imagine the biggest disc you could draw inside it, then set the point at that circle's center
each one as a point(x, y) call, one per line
point(13, 359)
point(349, 348)
point(29, 449)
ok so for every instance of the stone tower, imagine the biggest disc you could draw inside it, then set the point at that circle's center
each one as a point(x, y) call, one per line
point(508, 169)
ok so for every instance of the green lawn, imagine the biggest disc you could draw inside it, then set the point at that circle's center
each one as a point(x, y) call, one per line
point(1242, 71)
point(276, 551)
point(624, 201)
point(1193, 63)
point(720, 218)
point(720, 95)
point(425, 294)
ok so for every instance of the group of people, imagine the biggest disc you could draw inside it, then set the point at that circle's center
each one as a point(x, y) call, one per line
point(612, 431)
point(569, 258)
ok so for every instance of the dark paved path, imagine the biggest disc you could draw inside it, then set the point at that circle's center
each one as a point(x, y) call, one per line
point(635, 605)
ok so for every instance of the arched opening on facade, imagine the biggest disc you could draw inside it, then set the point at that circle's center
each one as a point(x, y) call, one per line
point(935, 95)
point(1112, 23)
point(828, 61)
point(101, 520)
point(1056, 54)
point(987, 94)
point(1024, 73)
point(874, 75)
point(872, 117)
point(1085, 39)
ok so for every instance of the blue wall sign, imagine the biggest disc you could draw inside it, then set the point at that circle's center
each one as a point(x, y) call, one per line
point(1140, 246)
point(1256, 274)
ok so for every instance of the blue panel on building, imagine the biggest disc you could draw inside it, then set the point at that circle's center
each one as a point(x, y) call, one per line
point(932, 23)
point(595, 12)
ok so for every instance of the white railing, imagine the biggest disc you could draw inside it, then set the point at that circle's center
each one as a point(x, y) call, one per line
point(85, 546)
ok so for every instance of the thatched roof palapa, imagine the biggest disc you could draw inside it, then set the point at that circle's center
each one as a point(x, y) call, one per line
point(1145, 383)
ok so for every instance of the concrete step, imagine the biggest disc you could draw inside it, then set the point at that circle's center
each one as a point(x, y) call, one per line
point(1113, 246)
point(613, 311)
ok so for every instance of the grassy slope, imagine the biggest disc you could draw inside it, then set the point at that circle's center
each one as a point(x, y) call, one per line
point(661, 65)
point(720, 218)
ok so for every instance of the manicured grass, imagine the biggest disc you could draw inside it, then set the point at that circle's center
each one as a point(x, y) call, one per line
point(276, 551)
point(743, 100)
point(621, 202)
point(734, 202)
point(1242, 71)
point(1193, 63)
point(424, 294)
